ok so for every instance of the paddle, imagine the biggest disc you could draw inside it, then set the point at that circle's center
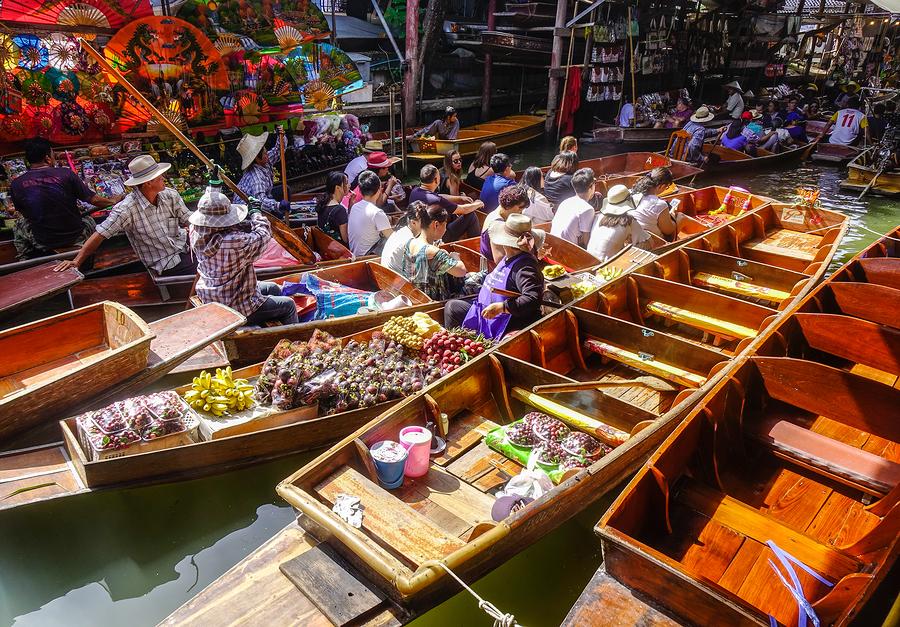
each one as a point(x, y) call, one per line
point(871, 183)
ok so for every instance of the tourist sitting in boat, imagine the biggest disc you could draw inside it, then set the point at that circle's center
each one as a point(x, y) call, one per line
point(519, 273)
point(540, 209)
point(754, 123)
point(226, 246)
point(751, 137)
point(480, 169)
point(568, 144)
point(446, 127)
point(847, 125)
point(380, 164)
point(679, 117)
point(734, 137)
point(734, 103)
point(575, 215)
point(558, 180)
point(258, 179)
point(425, 265)
point(332, 215)
point(626, 117)
point(778, 138)
point(153, 217)
point(652, 212)
point(461, 209)
point(813, 112)
point(451, 174)
point(46, 197)
point(406, 229)
point(360, 163)
point(503, 176)
point(513, 199)
point(368, 227)
point(616, 226)
point(847, 92)
point(698, 133)
point(772, 111)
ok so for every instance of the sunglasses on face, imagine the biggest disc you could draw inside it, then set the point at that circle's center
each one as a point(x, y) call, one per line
point(456, 160)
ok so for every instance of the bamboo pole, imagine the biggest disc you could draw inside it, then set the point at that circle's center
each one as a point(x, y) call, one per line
point(283, 235)
point(562, 105)
point(631, 65)
point(284, 184)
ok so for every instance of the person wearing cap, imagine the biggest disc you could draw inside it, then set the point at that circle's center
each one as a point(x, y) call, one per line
point(368, 227)
point(380, 164)
point(463, 221)
point(153, 217)
point(749, 134)
point(848, 91)
point(46, 197)
point(698, 133)
point(574, 216)
point(258, 179)
point(503, 176)
point(446, 127)
point(734, 104)
point(847, 125)
point(496, 311)
point(226, 247)
point(754, 121)
point(360, 163)
point(616, 226)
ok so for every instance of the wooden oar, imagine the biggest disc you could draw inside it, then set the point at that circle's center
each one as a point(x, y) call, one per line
point(283, 234)
point(284, 184)
point(871, 183)
point(809, 150)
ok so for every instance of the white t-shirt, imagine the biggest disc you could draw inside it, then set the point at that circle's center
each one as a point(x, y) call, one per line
point(648, 211)
point(355, 167)
point(392, 253)
point(626, 114)
point(574, 216)
point(606, 241)
point(364, 226)
point(847, 124)
point(540, 210)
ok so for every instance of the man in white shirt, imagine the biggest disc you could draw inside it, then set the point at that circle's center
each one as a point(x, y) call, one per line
point(575, 215)
point(368, 227)
point(392, 254)
point(626, 115)
point(357, 165)
point(847, 124)
point(734, 105)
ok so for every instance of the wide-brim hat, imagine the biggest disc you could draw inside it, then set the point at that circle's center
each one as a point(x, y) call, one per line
point(373, 145)
point(380, 160)
point(702, 114)
point(145, 168)
point(508, 504)
point(734, 85)
point(508, 232)
point(749, 94)
point(617, 202)
point(216, 211)
point(249, 148)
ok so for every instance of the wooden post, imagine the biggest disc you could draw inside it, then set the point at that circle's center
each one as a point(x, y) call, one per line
point(488, 66)
point(411, 80)
point(631, 66)
point(284, 184)
point(555, 62)
point(562, 105)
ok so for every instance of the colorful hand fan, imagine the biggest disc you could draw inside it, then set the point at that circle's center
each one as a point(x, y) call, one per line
point(301, 20)
point(9, 53)
point(33, 54)
point(325, 63)
point(63, 51)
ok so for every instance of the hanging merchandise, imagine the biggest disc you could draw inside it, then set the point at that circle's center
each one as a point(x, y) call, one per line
point(9, 53)
point(296, 21)
point(63, 51)
point(33, 54)
point(326, 63)
point(95, 13)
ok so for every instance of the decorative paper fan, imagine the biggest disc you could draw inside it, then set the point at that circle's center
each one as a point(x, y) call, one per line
point(103, 13)
point(41, 119)
point(83, 15)
point(63, 51)
point(95, 88)
point(63, 85)
point(34, 55)
point(101, 116)
point(318, 94)
point(250, 107)
point(14, 127)
point(326, 63)
point(227, 44)
point(34, 87)
point(72, 118)
point(288, 37)
point(257, 18)
point(173, 113)
point(9, 53)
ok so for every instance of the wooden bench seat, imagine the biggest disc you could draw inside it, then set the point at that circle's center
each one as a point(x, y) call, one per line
point(703, 322)
point(389, 521)
point(742, 289)
point(786, 243)
point(826, 456)
point(646, 363)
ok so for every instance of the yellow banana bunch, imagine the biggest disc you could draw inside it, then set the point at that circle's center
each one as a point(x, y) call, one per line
point(220, 394)
point(609, 273)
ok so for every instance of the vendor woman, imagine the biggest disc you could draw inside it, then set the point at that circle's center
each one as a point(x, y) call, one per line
point(425, 265)
point(517, 278)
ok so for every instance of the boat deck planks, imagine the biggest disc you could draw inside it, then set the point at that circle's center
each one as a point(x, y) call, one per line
point(37, 474)
point(465, 432)
point(21, 289)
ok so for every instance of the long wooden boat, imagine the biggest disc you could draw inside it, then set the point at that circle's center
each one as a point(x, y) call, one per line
point(77, 359)
point(721, 159)
point(65, 468)
point(114, 255)
point(141, 289)
point(861, 171)
point(444, 518)
point(829, 153)
point(508, 131)
point(789, 465)
point(604, 133)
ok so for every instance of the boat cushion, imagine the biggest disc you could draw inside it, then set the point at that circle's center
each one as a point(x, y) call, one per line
point(646, 363)
point(740, 288)
point(700, 321)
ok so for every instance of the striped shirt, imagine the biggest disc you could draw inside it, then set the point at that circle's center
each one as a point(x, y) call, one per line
point(156, 232)
point(258, 181)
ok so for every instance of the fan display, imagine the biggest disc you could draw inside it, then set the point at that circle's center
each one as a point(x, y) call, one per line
point(9, 53)
point(284, 23)
point(90, 13)
point(324, 63)
point(63, 51)
point(33, 54)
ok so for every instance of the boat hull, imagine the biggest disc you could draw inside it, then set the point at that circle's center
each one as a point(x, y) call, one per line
point(504, 132)
point(860, 175)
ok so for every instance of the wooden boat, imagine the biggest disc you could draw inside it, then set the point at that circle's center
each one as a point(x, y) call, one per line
point(722, 159)
point(64, 468)
point(862, 170)
point(564, 253)
point(444, 518)
point(789, 465)
point(22, 289)
point(250, 345)
point(604, 133)
point(114, 255)
point(504, 132)
point(78, 358)
point(142, 289)
point(829, 153)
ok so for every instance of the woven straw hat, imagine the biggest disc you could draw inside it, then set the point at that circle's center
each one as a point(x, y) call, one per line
point(249, 148)
point(215, 210)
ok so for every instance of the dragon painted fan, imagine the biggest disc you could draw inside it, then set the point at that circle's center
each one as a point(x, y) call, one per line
point(326, 63)
point(285, 23)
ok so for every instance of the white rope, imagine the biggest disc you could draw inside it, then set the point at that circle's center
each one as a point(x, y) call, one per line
point(881, 235)
point(500, 619)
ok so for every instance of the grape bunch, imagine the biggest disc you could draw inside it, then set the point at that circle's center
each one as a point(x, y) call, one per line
point(521, 434)
point(583, 445)
point(452, 349)
point(551, 454)
point(550, 429)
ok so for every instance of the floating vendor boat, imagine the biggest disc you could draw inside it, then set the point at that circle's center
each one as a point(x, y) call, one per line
point(604, 133)
point(776, 500)
point(864, 174)
point(722, 159)
point(71, 359)
point(504, 132)
point(145, 289)
point(576, 365)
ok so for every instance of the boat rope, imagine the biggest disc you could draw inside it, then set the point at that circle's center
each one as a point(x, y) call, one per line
point(881, 235)
point(795, 587)
point(500, 619)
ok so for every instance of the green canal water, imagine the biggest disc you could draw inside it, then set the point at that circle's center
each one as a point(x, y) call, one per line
point(130, 557)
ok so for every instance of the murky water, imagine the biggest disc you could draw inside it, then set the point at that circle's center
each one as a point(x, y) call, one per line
point(133, 556)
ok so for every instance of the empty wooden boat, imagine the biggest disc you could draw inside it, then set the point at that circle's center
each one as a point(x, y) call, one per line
point(504, 132)
point(864, 173)
point(114, 255)
point(604, 133)
point(66, 468)
point(19, 290)
point(143, 289)
point(776, 500)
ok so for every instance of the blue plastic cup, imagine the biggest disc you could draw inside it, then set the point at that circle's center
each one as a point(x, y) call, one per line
point(390, 473)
